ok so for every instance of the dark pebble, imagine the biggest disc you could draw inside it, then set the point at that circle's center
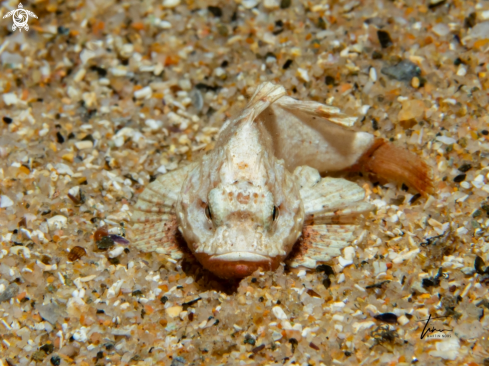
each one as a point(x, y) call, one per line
point(164, 299)
point(55, 360)
point(459, 178)
point(60, 138)
point(376, 55)
point(329, 80)
point(63, 31)
point(390, 318)
point(11, 291)
point(469, 22)
point(384, 38)
point(215, 10)
point(327, 270)
point(249, 340)
point(430, 282)
point(479, 265)
point(457, 61)
point(258, 349)
point(284, 4)
point(485, 132)
point(327, 283)
point(287, 64)
point(465, 168)
point(137, 293)
point(105, 243)
point(403, 71)
point(375, 124)
point(178, 361)
point(47, 348)
point(7, 120)
point(321, 23)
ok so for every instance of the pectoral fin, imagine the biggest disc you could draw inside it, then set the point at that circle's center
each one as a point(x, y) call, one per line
point(331, 206)
point(154, 219)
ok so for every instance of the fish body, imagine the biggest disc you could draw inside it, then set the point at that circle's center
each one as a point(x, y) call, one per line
point(249, 200)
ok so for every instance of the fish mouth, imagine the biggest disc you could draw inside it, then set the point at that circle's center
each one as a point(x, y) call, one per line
point(237, 264)
point(240, 256)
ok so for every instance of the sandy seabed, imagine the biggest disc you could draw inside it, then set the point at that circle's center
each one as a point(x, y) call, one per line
point(100, 97)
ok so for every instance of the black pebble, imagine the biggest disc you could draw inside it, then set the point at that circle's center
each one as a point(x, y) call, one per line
point(459, 178)
point(7, 120)
point(375, 124)
point(329, 80)
point(465, 168)
point(327, 270)
point(384, 38)
point(327, 283)
point(469, 22)
point(164, 299)
point(485, 132)
point(457, 61)
point(60, 137)
point(55, 360)
point(479, 265)
point(287, 64)
point(390, 318)
point(215, 10)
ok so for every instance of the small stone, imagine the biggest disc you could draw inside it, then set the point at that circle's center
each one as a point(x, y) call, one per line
point(271, 4)
point(11, 291)
point(177, 361)
point(10, 99)
point(249, 4)
point(411, 109)
point(57, 222)
point(117, 251)
point(459, 178)
point(415, 82)
point(174, 311)
point(390, 318)
point(403, 71)
point(105, 243)
point(441, 29)
point(384, 38)
point(284, 4)
point(7, 120)
point(279, 313)
point(5, 202)
point(82, 145)
point(50, 312)
point(171, 3)
point(143, 93)
point(215, 10)
point(55, 361)
point(38, 356)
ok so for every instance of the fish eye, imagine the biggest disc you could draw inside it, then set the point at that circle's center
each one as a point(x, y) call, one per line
point(275, 213)
point(208, 212)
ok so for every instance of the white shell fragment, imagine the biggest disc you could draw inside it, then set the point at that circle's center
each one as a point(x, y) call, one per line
point(57, 222)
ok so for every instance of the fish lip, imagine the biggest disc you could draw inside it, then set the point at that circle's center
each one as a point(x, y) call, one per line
point(240, 256)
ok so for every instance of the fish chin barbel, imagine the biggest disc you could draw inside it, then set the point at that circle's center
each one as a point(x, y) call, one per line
point(246, 203)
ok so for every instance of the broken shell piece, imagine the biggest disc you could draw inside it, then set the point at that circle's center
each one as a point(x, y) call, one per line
point(57, 222)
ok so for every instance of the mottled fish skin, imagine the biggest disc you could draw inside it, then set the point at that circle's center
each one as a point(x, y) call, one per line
point(246, 203)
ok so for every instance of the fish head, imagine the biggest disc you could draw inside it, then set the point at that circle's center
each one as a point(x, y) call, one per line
point(235, 226)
